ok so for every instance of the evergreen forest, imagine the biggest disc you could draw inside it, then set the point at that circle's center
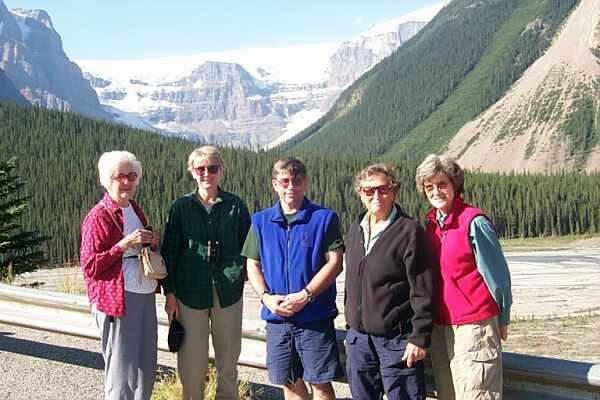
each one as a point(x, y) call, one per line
point(58, 153)
point(20, 249)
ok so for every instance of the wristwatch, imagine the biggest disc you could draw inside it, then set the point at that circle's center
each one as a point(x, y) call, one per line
point(309, 295)
point(263, 294)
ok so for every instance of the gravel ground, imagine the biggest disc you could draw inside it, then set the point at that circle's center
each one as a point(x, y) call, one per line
point(42, 365)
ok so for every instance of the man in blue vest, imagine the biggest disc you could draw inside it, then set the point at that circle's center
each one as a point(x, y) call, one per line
point(294, 251)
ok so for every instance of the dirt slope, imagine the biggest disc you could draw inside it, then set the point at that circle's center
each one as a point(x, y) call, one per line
point(522, 131)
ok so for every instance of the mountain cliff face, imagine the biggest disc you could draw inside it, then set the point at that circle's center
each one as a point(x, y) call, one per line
point(354, 58)
point(550, 119)
point(32, 57)
point(8, 91)
point(253, 98)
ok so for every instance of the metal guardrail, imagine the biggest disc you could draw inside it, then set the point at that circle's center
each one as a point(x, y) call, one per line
point(525, 377)
point(70, 314)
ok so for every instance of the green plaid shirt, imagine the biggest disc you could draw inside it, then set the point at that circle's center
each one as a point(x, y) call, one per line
point(185, 250)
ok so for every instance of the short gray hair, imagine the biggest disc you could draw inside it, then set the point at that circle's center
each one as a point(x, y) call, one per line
point(435, 164)
point(377, 169)
point(109, 162)
point(203, 153)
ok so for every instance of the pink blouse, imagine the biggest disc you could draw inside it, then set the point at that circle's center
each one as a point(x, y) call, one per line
point(101, 258)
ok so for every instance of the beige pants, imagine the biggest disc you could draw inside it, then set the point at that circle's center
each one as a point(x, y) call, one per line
point(225, 326)
point(467, 361)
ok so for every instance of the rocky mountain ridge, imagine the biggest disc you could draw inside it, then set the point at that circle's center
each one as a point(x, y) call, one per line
point(550, 119)
point(33, 59)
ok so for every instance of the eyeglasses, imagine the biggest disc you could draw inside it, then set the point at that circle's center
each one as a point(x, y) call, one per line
point(286, 182)
point(132, 176)
point(212, 169)
point(383, 190)
point(441, 187)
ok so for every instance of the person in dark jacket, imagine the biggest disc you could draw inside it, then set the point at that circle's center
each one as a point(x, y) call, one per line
point(389, 287)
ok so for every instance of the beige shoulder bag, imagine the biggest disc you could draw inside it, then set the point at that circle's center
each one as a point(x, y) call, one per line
point(152, 265)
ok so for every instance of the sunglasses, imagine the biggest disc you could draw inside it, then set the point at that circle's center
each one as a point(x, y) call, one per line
point(212, 169)
point(286, 182)
point(132, 176)
point(370, 191)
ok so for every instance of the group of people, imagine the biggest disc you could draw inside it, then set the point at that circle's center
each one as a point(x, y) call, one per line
point(443, 289)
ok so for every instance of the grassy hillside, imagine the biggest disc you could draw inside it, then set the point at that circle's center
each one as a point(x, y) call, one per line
point(516, 45)
point(414, 101)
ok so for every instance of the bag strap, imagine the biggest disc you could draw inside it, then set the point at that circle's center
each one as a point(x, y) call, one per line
point(113, 218)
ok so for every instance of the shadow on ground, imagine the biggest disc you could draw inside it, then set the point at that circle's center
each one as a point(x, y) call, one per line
point(91, 359)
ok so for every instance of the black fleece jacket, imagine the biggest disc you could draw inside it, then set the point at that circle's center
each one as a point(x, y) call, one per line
point(392, 286)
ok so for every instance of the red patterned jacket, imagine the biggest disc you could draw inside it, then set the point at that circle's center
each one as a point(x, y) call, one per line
point(101, 258)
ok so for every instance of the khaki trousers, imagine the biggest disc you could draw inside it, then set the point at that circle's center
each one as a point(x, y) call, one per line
point(225, 326)
point(467, 361)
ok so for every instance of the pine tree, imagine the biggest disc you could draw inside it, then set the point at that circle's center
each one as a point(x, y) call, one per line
point(19, 249)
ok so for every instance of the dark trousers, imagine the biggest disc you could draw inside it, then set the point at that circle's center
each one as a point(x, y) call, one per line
point(374, 365)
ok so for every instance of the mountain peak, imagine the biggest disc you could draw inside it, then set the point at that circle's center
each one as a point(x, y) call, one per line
point(425, 14)
point(38, 15)
point(33, 59)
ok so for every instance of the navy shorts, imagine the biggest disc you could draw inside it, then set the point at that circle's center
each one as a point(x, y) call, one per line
point(306, 350)
point(374, 366)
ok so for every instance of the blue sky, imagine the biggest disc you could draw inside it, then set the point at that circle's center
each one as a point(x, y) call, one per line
point(110, 29)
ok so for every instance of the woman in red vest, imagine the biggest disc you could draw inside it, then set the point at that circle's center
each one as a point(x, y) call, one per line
point(473, 295)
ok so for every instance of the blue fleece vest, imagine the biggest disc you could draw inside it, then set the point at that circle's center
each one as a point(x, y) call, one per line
point(291, 255)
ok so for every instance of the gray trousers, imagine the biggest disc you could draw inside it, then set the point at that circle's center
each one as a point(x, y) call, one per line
point(129, 348)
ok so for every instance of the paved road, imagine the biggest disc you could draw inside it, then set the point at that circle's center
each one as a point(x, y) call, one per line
point(547, 283)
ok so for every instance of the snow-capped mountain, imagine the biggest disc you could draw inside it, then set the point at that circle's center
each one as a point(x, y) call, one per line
point(33, 59)
point(353, 58)
point(252, 97)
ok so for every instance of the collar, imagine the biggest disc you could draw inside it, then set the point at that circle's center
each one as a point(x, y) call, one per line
point(110, 204)
point(364, 223)
point(457, 205)
point(302, 214)
point(194, 197)
point(394, 214)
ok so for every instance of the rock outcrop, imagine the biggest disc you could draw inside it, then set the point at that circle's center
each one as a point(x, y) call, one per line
point(8, 91)
point(32, 56)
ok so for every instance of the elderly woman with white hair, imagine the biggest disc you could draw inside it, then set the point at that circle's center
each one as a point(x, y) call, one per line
point(122, 299)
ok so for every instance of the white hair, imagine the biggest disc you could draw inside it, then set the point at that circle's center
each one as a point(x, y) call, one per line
point(109, 162)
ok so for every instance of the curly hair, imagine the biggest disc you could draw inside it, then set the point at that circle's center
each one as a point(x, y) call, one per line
point(374, 169)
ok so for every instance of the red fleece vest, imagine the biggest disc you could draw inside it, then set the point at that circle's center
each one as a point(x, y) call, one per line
point(463, 297)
